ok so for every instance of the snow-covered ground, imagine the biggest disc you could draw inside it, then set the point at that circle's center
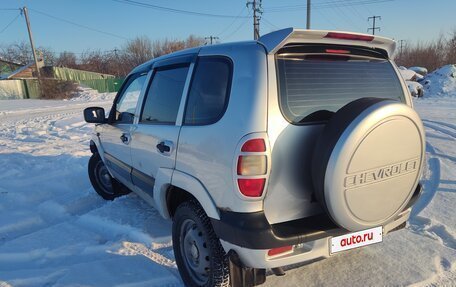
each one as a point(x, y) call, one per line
point(55, 230)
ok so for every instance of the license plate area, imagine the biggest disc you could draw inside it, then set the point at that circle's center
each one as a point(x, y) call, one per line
point(356, 239)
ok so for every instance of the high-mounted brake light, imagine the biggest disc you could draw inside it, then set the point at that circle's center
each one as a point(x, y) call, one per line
point(255, 145)
point(334, 51)
point(279, 250)
point(347, 36)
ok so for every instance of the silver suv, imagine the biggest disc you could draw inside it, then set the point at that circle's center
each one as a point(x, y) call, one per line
point(265, 153)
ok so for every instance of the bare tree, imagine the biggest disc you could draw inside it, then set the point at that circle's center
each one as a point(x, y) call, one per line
point(431, 55)
point(21, 53)
point(194, 41)
point(451, 48)
point(67, 59)
point(138, 51)
point(115, 62)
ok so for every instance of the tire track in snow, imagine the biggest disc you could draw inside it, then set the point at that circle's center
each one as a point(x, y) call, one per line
point(438, 127)
point(423, 225)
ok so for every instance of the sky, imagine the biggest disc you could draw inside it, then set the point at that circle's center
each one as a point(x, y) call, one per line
point(81, 25)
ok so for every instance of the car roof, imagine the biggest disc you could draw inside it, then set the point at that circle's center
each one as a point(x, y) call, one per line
point(275, 40)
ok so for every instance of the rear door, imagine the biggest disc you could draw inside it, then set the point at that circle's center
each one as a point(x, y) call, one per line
point(308, 84)
point(116, 136)
point(155, 136)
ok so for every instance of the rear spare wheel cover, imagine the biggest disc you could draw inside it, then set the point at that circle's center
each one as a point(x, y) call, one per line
point(374, 165)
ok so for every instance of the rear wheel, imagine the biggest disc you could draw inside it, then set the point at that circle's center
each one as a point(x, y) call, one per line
point(103, 183)
point(199, 254)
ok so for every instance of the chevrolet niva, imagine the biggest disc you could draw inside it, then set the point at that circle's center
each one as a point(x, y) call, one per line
point(265, 153)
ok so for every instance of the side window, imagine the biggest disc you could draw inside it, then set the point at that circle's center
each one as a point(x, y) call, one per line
point(126, 104)
point(209, 91)
point(164, 96)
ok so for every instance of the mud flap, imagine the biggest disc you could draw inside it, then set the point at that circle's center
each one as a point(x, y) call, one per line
point(241, 276)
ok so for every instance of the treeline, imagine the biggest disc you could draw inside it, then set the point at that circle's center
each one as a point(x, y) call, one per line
point(431, 55)
point(117, 62)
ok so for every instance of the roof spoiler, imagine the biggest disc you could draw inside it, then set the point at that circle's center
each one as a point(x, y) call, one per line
point(275, 40)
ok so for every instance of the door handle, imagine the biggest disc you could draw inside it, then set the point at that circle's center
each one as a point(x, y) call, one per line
point(164, 147)
point(125, 138)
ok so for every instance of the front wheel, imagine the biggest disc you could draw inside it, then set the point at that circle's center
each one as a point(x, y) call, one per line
point(106, 186)
point(198, 252)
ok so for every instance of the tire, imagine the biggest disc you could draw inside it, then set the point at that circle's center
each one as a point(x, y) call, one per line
point(367, 162)
point(197, 248)
point(106, 186)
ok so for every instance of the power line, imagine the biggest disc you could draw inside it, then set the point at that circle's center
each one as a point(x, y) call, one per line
point(373, 24)
point(269, 22)
point(328, 18)
point(172, 10)
point(9, 9)
point(78, 25)
point(238, 28)
point(235, 19)
point(323, 5)
point(10, 23)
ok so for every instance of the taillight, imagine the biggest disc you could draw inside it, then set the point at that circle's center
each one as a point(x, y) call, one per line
point(252, 168)
point(347, 36)
point(251, 187)
point(280, 250)
point(251, 165)
point(255, 145)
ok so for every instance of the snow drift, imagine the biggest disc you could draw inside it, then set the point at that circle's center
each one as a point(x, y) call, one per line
point(441, 83)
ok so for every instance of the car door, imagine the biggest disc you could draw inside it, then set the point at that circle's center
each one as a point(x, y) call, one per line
point(155, 136)
point(116, 136)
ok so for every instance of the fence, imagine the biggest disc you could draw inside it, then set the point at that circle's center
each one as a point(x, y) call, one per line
point(103, 85)
point(101, 82)
point(19, 89)
point(68, 74)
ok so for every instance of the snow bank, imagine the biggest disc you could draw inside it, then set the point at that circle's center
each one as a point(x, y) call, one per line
point(407, 74)
point(88, 94)
point(415, 88)
point(441, 83)
point(420, 70)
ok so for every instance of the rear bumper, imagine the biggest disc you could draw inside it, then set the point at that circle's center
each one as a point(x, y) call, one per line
point(251, 236)
point(303, 252)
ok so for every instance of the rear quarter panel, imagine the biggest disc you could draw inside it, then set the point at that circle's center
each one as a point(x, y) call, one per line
point(207, 152)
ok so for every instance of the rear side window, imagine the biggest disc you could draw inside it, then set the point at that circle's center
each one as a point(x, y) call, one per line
point(164, 96)
point(208, 95)
point(313, 85)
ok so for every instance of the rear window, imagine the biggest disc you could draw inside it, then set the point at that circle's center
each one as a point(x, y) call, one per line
point(314, 84)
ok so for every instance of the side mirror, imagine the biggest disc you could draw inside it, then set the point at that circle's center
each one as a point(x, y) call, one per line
point(95, 115)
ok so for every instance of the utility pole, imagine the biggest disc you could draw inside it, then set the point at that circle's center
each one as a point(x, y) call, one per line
point(308, 15)
point(32, 45)
point(25, 11)
point(373, 24)
point(401, 42)
point(211, 38)
point(257, 11)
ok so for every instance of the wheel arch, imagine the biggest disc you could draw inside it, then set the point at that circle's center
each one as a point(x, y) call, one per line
point(181, 188)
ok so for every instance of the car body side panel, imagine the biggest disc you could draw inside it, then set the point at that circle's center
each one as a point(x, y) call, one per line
point(194, 187)
point(289, 193)
point(207, 152)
